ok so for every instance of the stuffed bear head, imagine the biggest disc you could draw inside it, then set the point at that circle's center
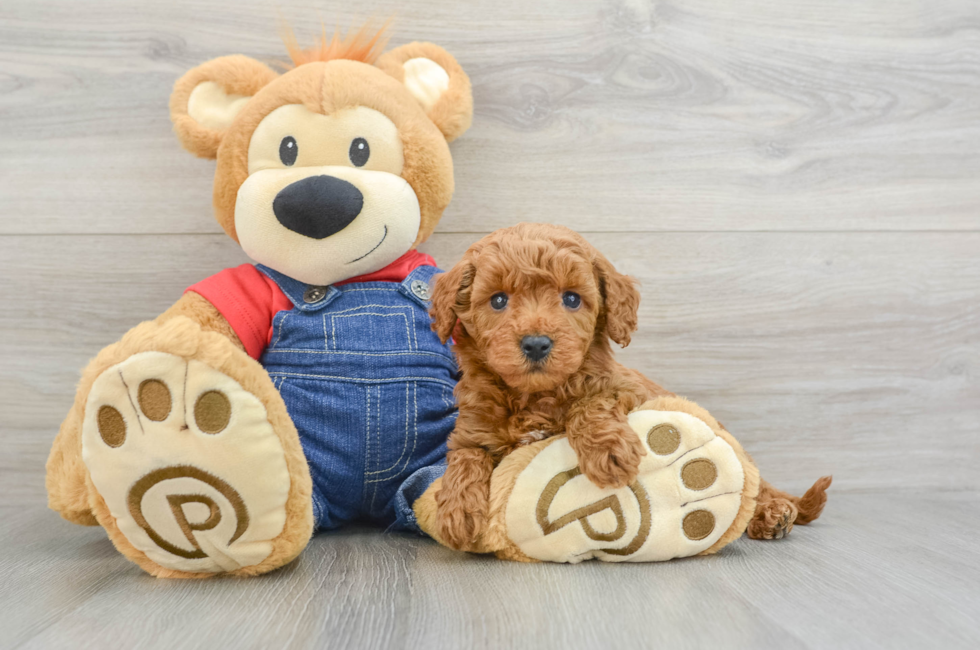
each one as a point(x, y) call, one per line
point(335, 168)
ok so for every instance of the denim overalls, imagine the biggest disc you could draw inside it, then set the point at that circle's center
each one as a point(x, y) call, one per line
point(369, 387)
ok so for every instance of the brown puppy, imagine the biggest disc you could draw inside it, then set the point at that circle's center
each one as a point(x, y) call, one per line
point(531, 309)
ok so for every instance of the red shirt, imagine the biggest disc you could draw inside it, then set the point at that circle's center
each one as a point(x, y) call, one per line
point(249, 299)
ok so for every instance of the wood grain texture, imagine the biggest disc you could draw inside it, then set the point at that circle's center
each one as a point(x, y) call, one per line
point(793, 181)
point(860, 578)
point(602, 114)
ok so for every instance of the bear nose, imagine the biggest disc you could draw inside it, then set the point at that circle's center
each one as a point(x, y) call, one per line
point(536, 348)
point(318, 206)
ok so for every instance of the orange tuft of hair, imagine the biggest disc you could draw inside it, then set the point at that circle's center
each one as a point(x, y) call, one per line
point(365, 45)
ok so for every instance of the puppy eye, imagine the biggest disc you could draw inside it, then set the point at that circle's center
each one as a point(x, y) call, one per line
point(359, 152)
point(571, 300)
point(498, 301)
point(288, 150)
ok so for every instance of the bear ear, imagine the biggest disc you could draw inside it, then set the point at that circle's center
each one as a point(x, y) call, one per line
point(206, 100)
point(433, 77)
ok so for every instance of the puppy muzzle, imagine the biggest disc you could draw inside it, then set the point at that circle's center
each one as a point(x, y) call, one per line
point(536, 348)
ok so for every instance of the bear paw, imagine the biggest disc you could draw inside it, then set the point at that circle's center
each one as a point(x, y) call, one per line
point(187, 463)
point(687, 494)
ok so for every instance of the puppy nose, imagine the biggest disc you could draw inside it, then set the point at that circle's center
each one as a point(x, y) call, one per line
point(318, 206)
point(536, 348)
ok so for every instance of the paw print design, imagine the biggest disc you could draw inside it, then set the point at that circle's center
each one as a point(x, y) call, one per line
point(187, 463)
point(686, 496)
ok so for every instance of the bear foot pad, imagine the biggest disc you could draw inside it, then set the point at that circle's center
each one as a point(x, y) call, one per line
point(685, 497)
point(190, 469)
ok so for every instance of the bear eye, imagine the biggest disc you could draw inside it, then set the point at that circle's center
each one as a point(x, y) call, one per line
point(288, 150)
point(359, 152)
point(498, 301)
point(571, 300)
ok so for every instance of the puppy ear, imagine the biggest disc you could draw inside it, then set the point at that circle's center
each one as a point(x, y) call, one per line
point(450, 297)
point(621, 300)
point(433, 77)
point(207, 98)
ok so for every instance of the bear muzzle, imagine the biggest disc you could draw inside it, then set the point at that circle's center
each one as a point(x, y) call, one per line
point(318, 206)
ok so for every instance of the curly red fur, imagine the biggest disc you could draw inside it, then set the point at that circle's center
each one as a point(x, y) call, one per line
point(466, 507)
point(506, 400)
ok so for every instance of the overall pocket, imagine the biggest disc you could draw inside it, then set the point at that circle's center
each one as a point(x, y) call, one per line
point(371, 328)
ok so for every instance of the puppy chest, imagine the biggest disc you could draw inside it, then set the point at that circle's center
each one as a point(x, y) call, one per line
point(528, 427)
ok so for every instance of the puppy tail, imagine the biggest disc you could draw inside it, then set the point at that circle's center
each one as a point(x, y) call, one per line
point(812, 502)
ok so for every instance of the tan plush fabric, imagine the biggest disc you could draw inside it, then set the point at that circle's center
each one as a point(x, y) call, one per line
point(73, 493)
point(453, 111)
point(196, 308)
point(214, 447)
point(387, 226)
point(556, 514)
point(213, 108)
point(324, 87)
point(235, 75)
point(751, 489)
point(65, 481)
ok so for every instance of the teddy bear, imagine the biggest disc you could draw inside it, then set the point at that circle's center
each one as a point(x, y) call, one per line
point(308, 390)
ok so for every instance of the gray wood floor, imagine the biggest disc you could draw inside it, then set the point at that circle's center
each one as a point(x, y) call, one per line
point(795, 182)
point(866, 577)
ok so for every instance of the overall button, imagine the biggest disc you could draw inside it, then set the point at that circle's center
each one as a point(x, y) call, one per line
point(314, 294)
point(420, 289)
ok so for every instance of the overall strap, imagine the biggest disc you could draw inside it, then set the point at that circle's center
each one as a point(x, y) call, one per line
point(305, 297)
point(417, 287)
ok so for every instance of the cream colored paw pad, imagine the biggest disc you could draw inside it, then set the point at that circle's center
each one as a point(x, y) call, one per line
point(187, 463)
point(685, 497)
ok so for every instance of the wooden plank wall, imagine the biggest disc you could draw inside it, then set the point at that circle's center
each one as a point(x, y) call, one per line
point(796, 183)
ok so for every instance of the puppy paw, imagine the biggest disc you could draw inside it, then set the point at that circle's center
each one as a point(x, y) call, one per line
point(611, 464)
point(460, 519)
point(772, 520)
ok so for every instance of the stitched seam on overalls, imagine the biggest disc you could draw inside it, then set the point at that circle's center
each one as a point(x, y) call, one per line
point(281, 322)
point(404, 317)
point(367, 427)
point(371, 288)
point(411, 353)
point(359, 380)
point(399, 308)
point(377, 452)
point(404, 446)
point(374, 492)
point(415, 436)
